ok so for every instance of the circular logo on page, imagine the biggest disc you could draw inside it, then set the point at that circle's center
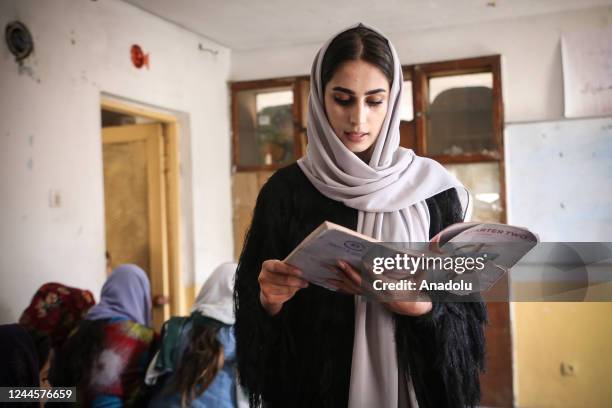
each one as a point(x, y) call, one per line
point(354, 246)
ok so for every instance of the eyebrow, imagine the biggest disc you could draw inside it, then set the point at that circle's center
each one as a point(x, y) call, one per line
point(348, 91)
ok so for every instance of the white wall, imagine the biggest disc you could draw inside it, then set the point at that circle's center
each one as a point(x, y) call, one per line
point(50, 139)
point(532, 73)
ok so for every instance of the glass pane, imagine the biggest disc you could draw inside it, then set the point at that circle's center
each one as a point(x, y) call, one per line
point(265, 126)
point(406, 109)
point(305, 86)
point(482, 179)
point(460, 114)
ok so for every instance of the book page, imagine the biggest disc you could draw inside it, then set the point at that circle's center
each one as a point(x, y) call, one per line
point(502, 245)
point(322, 251)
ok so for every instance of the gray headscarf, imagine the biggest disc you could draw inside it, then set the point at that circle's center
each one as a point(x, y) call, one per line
point(390, 193)
point(126, 293)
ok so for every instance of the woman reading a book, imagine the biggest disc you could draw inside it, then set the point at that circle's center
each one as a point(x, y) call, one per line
point(300, 345)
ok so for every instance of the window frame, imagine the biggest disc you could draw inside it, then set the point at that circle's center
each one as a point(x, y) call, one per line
point(295, 83)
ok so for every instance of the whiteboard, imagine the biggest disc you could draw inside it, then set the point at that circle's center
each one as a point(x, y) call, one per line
point(559, 178)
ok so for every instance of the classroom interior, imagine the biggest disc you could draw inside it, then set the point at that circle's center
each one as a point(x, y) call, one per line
point(145, 129)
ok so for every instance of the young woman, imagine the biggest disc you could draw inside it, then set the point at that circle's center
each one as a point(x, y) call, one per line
point(300, 345)
point(196, 365)
point(107, 356)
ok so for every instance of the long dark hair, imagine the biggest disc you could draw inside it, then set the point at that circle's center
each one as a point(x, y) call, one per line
point(42, 342)
point(359, 43)
point(73, 361)
point(200, 363)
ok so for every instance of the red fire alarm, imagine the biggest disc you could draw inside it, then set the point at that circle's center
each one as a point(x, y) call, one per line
point(139, 58)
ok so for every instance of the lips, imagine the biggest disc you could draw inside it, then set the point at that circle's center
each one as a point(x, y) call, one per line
point(355, 137)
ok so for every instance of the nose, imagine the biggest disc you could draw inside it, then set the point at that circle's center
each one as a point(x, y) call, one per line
point(357, 115)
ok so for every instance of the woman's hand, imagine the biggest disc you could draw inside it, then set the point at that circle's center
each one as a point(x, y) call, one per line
point(349, 279)
point(349, 282)
point(278, 282)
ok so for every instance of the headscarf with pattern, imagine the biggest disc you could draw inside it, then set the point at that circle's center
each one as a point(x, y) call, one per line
point(55, 310)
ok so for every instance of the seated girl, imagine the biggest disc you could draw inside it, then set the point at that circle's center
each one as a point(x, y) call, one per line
point(107, 356)
point(196, 363)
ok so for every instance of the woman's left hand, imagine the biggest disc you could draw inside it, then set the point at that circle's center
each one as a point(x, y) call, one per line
point(349, 282)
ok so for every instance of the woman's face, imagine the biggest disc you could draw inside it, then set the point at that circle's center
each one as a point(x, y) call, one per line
point(356, 102)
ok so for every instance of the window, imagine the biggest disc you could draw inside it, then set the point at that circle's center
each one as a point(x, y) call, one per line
point(266, 122)
point(458, 122)
point(406, 108)
point(459, 112)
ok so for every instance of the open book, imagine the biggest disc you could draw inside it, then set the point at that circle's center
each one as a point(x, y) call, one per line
point(492, 249)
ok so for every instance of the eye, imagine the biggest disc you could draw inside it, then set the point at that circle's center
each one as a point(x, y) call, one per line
point(343, 100)
point(375, 102)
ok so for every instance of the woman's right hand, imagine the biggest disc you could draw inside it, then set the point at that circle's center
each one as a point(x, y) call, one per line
point(278, 282)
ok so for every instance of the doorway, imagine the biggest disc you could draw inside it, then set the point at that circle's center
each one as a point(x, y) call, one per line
point(141, 194)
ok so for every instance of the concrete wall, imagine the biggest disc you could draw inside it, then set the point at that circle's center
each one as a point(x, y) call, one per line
point(50, 140)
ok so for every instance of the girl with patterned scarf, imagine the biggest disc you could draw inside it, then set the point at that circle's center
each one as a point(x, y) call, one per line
point(54, 312)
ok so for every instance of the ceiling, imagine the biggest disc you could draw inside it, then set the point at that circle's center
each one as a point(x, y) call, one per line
point(245, 25)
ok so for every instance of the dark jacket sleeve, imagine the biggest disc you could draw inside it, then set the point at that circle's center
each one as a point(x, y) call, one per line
point(259, 336)
point(443, 351)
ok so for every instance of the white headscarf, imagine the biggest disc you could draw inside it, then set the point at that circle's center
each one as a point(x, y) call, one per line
point(216, 296)
point(390, 193)
point(215, 300)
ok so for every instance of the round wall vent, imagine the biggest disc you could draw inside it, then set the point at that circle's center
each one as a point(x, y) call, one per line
point(18, 39)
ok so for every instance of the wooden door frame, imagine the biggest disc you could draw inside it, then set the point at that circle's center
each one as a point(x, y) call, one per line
point(170, 127)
